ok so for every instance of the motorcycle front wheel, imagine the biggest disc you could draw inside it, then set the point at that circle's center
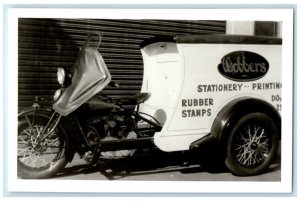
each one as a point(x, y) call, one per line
point(40, 157)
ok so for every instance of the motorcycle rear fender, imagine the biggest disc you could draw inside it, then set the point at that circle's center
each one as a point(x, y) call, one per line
point(47, 112)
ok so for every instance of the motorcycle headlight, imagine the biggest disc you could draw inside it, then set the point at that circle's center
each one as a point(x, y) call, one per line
point(57, 94)
point(61, 76)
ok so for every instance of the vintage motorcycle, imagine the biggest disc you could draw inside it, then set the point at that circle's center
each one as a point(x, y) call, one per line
point(49, 137)
point(76, 121)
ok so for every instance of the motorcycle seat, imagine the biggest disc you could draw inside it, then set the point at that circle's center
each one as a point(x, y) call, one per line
point(137, 98)
point(99, 104)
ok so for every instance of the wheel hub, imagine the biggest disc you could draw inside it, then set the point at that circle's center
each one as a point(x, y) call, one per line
point(254, 145)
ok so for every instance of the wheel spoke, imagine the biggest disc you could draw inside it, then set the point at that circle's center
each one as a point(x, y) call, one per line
point(34, 153)
point(262, 150)
point(248, 160)
point(23, 150)
point(262, 134)
point(54, 142)
point(244, 146)
point(243, 138)
point(248, 132)
point(252, 145)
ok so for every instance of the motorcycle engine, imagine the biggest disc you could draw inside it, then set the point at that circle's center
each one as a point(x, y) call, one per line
point(119, 153)
point(111, 128)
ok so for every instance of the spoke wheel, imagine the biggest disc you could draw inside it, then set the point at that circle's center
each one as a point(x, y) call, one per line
point(39, 158)
point(35, 154)
point(252, 144)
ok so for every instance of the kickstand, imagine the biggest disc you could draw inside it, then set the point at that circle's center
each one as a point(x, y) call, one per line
point(95, 157)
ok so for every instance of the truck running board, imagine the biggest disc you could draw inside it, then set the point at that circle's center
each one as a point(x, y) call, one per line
point(206, 139)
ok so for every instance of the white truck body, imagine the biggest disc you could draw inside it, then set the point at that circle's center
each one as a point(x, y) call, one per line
point(192, 79)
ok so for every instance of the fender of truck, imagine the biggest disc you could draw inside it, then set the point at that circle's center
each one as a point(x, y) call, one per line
point(231, 113)
point(236, 109)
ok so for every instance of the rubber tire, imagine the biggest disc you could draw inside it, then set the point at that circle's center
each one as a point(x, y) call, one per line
point(231, 162)
point(26, 172)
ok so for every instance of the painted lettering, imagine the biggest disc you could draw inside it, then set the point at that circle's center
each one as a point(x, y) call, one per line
point(266, 86)
point(196, 113)
point(243, 66)
point(219, 87)
point(197, 102)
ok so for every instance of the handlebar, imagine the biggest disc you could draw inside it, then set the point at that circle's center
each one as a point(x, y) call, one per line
point(113, 84)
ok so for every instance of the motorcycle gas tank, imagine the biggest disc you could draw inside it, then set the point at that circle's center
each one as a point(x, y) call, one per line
point(95, 104)
point(90, 77)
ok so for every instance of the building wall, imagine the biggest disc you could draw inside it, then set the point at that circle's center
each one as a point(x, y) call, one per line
point(240, 27)
point(257, 28)
point(46, 44)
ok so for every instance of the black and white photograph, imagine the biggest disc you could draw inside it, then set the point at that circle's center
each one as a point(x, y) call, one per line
point(143, 103)
point(108, 97)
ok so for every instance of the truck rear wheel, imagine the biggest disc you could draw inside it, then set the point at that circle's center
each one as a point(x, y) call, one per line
point(252, 144)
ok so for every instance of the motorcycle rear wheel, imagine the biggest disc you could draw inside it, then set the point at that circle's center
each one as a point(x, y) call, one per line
point(39, 159)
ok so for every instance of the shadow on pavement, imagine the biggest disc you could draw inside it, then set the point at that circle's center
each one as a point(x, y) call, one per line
point(156, 162)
